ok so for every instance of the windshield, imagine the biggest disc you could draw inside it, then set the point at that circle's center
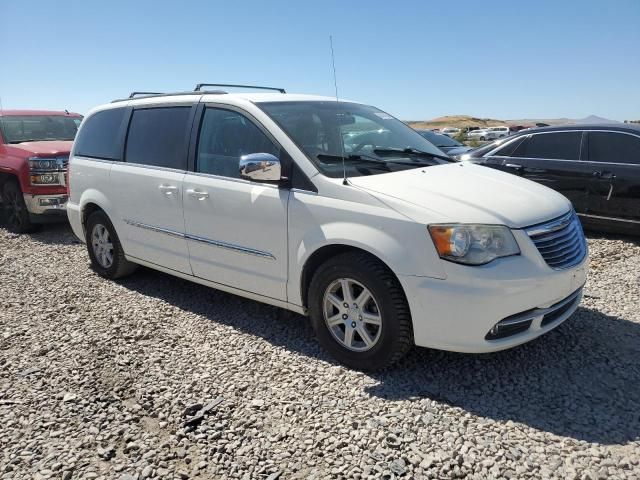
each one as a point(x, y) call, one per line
point(33, 128)
point(439, 140)
point(329, 131)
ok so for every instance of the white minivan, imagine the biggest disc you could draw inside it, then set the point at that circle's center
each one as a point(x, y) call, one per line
point(332, 209)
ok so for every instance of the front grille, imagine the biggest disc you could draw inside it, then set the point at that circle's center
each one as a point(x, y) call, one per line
point(560, 241)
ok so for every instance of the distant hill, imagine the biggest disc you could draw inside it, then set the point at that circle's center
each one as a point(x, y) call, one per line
point(458, 121)
point(463, 121)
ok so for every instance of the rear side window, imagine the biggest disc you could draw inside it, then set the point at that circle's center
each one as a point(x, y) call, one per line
point(614, 147)
point(158, 137)
point(100, 136)
point(225, 136)
point(556, 145)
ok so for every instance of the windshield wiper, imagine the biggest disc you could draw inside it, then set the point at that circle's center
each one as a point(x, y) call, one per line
point(357, 158)
point(411, 151)
point(365, 158)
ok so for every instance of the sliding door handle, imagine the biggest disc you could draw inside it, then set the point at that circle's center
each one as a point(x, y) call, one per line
point(168, 189)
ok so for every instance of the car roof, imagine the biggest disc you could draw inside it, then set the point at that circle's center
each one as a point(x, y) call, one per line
point(628, 127)
point(12, 113)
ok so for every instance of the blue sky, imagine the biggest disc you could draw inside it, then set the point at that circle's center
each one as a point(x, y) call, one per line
point(414, 59)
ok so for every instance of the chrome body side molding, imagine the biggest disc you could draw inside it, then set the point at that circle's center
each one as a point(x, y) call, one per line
point(194, 238)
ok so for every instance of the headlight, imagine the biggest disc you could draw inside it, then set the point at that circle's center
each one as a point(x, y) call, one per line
point(43, 164)
point(46, 179)
point(473, 244)
point(47, 171)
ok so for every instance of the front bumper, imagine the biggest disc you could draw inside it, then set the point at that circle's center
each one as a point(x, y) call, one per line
point(46, 204)
point(458, 313)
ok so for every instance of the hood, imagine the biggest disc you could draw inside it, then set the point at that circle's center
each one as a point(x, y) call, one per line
point(52, 148)
point(465, 193)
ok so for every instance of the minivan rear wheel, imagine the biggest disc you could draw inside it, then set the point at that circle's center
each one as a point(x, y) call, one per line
point(359, 312)
point(105, 251)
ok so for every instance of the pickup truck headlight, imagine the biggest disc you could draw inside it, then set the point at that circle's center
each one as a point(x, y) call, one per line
point(473, 244)
point(47, 171)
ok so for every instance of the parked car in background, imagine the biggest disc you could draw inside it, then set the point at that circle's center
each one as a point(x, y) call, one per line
point(384, 244)
point(597, 167)
point(447, 144)
point(489, 133)
point(450, 131)
point(498, 132)
point(480, 134)
point(34, 151)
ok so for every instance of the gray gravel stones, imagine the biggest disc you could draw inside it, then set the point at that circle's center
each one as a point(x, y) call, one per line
point(98, 378)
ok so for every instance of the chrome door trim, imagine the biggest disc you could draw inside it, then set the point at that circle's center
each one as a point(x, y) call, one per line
point(231, 246)
point(144, 226)
point(232, 179)
point(195, 238)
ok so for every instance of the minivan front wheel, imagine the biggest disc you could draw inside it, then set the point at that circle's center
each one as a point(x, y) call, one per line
point(105, 251)
point(359, 312)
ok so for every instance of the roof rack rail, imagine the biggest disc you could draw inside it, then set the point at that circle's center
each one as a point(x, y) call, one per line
point(200, 85)
point(135, 94)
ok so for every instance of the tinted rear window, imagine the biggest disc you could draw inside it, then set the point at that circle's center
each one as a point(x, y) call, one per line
point(555, 145)
point(614, 147)
point(158, 137)
point(99, 136)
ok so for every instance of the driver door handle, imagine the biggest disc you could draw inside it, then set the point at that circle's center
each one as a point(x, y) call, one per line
point(514, 165)
point(198, 194)
point(604, 175)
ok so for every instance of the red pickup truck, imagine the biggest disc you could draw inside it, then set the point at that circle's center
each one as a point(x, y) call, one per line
point(34, 152)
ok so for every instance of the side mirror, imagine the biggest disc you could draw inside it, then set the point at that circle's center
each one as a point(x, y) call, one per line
point(260, 167)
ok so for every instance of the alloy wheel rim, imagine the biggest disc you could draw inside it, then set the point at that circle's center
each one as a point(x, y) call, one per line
point(352, 315)
point(102, 246)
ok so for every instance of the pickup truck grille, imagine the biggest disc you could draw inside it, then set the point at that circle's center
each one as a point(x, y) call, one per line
point(560, 241)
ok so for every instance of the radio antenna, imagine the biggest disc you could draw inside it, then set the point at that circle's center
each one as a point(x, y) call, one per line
point(341, 140)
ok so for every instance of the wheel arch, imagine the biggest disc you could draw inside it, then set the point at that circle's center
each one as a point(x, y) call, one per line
point(91, 201)
point(8, 176)
point(324, 253)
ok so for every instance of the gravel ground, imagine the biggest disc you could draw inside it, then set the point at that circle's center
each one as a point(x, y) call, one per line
point(155, 377)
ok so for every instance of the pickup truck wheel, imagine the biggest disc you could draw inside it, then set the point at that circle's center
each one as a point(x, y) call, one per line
point(359, 312)
point(105, 251)
point(15, 209)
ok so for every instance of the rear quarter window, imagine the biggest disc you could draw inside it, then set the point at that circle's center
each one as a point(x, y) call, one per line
point(100, 135)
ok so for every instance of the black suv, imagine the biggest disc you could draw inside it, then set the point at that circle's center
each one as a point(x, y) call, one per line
point(597, 167)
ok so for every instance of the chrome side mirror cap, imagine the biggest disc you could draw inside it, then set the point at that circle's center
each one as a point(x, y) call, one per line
point(260, 167)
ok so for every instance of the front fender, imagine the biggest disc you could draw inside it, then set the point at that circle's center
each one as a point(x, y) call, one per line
point(399, 242)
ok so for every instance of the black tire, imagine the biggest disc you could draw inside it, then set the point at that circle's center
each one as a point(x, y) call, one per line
point(15, 209)
point(482, 139)
point(119, 266)
point(396, 336)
